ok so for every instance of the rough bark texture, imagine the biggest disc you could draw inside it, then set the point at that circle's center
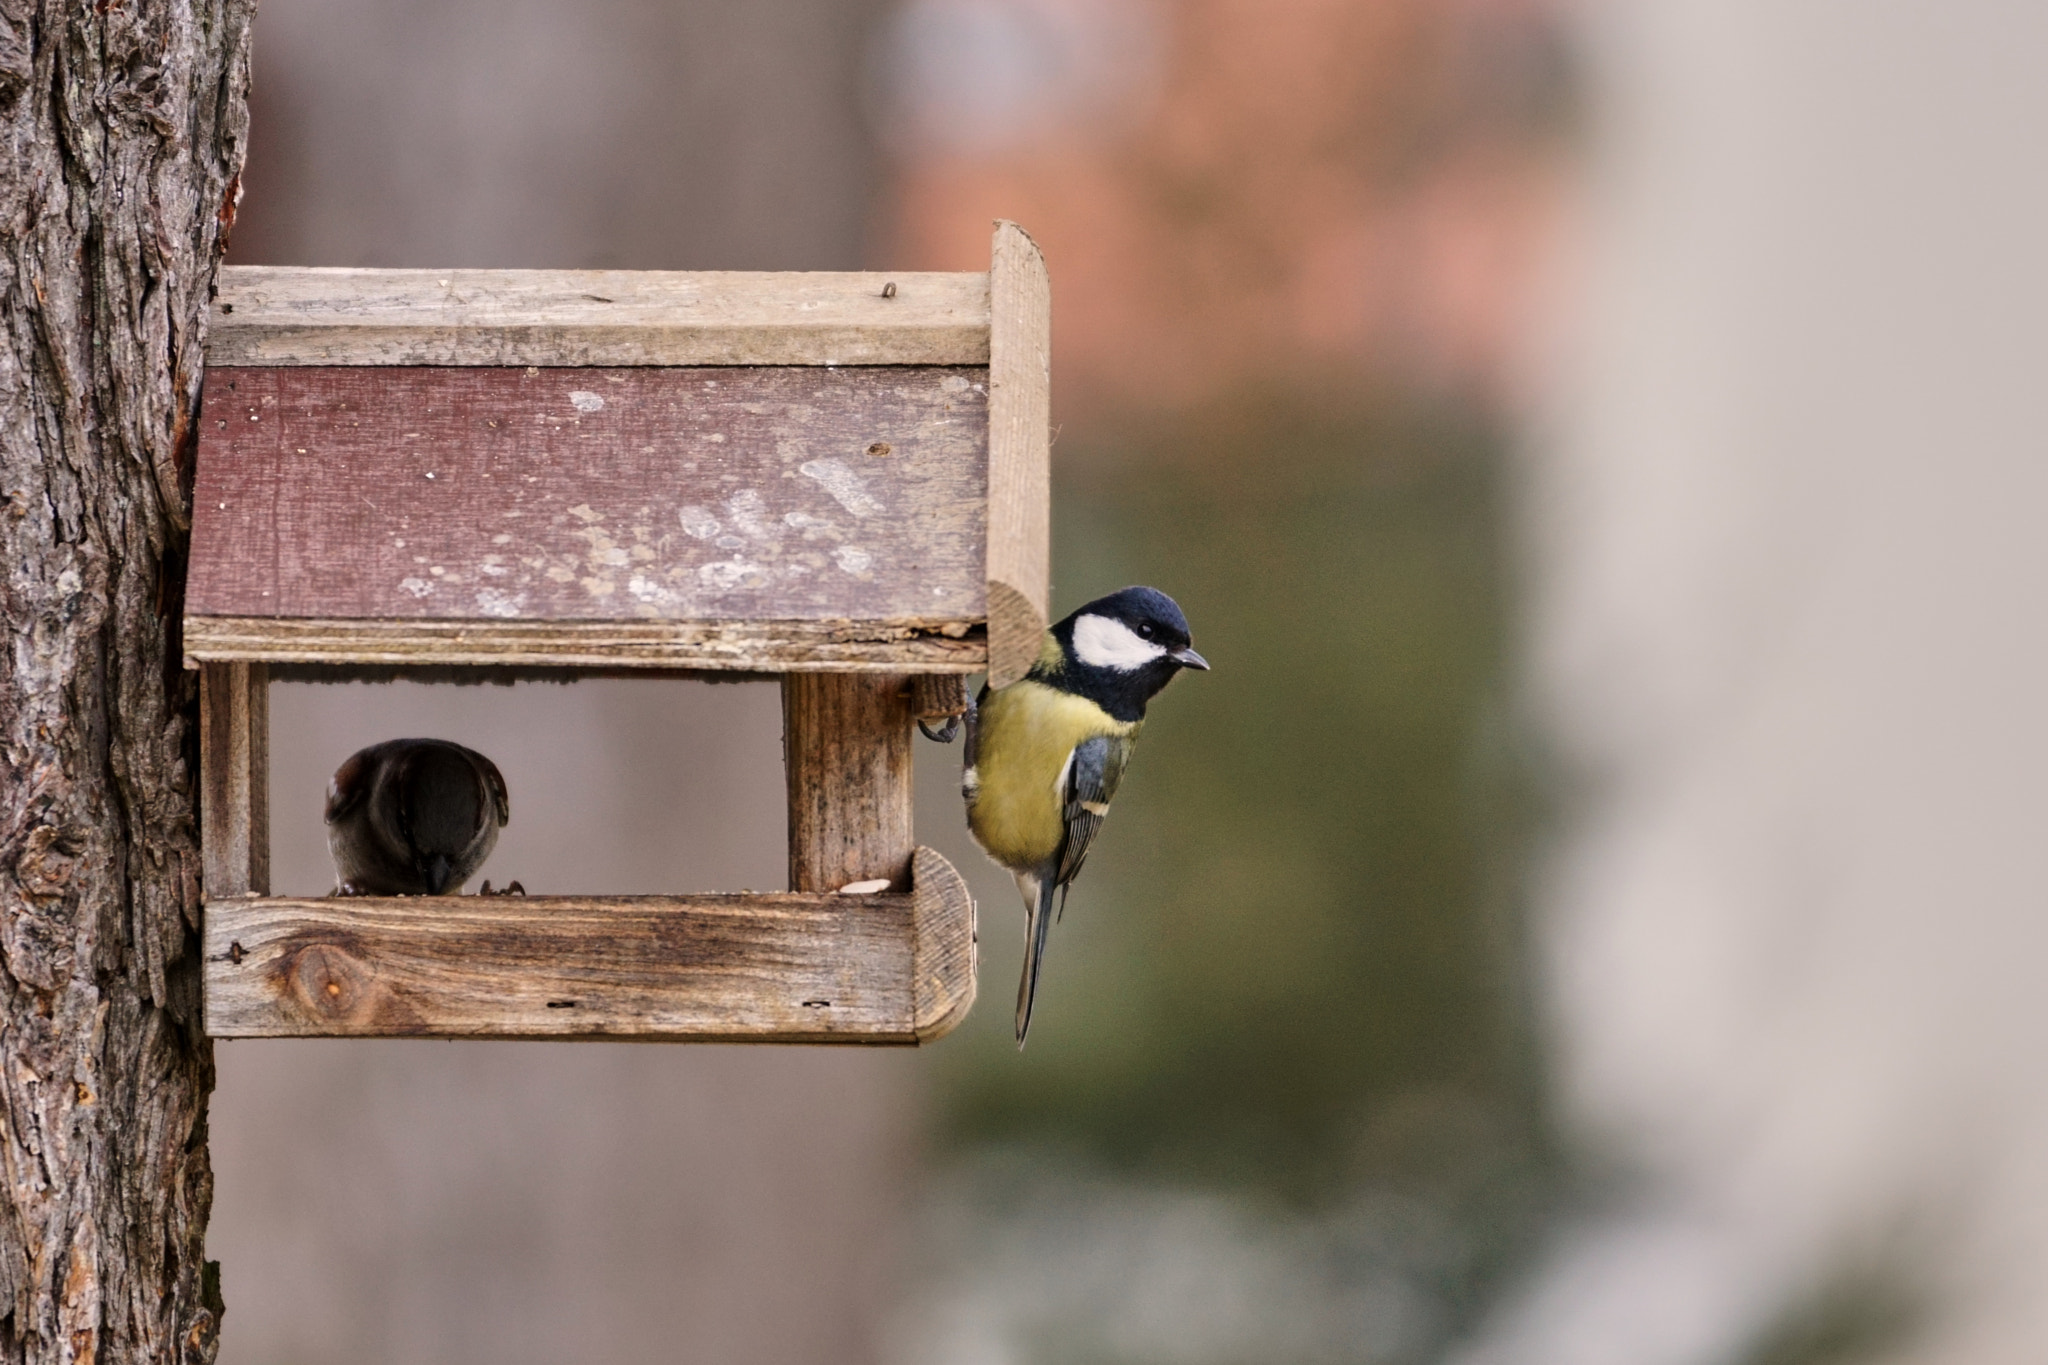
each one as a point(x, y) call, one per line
point(125, 133)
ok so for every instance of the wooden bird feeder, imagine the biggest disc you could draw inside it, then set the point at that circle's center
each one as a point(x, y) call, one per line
point(840, 479)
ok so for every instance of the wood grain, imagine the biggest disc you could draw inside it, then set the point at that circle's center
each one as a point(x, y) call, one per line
point(744, 646)
point(234, 794)
point(934, 696)
point(1019, 454)
point(595, 495)
point(277, 315)
point(763, 968)
point(847, 757)
point(945, 947)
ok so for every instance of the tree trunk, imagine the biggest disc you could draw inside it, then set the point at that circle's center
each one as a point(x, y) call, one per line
point(126, 121)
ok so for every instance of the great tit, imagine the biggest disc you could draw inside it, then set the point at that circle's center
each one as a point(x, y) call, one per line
point(1045, 754)
point(413, 817)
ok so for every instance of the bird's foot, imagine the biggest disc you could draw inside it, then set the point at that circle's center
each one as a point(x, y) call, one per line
point(511, 889)
point(945, 734)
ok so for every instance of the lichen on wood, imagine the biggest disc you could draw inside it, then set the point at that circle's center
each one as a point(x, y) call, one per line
point(125, 133)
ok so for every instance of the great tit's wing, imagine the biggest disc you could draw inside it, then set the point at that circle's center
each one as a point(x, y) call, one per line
point(1093, 774)
point(971, 747)
point(1093, 771)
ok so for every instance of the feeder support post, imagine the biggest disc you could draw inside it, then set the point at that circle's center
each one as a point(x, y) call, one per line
point(234, 804)
point(846, 752)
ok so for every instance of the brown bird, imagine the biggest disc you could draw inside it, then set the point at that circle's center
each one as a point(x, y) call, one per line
point(413, 817)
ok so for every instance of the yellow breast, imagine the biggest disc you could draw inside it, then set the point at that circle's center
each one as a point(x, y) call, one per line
point(1026, 732)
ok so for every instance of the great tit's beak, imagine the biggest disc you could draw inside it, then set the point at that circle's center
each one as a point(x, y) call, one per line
point(1187, 658)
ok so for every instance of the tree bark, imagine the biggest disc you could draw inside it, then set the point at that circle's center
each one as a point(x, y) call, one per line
point(126, 123)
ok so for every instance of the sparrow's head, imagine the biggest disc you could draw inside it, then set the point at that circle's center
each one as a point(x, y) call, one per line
point(414, 816)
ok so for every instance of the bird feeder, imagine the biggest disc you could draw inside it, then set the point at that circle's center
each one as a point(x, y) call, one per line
point(839, 479)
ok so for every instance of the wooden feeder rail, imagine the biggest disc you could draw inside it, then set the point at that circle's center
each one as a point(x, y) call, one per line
point(792, 968)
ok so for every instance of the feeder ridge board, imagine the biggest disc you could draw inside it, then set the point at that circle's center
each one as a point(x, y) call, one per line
point(840, 479)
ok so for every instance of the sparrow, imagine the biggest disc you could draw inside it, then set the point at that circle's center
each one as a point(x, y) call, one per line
point(413, 817)
point(1045, 754)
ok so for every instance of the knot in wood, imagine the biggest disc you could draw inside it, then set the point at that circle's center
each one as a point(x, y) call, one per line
point(331, 984)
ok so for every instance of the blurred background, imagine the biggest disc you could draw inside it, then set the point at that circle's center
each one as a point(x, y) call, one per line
point(1593, 912)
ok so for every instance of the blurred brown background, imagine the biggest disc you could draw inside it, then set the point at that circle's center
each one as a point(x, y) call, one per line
point(1591, 913)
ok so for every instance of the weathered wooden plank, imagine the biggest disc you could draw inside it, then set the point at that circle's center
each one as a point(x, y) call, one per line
point(945, 942)
point(234, 801)
point(935, 696)
point(847, 758)
point(773, 968)
point(1019, 454)
point(598, 495)
point(556, 966)
point(743, 646)
point(289, 315)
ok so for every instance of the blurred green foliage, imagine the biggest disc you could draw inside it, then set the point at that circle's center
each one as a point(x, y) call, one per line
point(1294, 963)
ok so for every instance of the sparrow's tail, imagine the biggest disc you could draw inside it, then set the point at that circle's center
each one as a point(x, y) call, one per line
point(1038, 908)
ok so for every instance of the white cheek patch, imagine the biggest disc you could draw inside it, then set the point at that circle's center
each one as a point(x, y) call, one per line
point(1101, 642)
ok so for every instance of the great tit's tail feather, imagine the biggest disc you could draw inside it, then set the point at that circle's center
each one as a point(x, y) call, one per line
point(1039, 915)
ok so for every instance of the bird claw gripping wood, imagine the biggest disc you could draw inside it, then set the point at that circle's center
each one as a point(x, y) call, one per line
point(938, 702)
point(512, 888)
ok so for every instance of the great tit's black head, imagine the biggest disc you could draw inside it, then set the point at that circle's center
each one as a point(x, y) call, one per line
point(1130, 643)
